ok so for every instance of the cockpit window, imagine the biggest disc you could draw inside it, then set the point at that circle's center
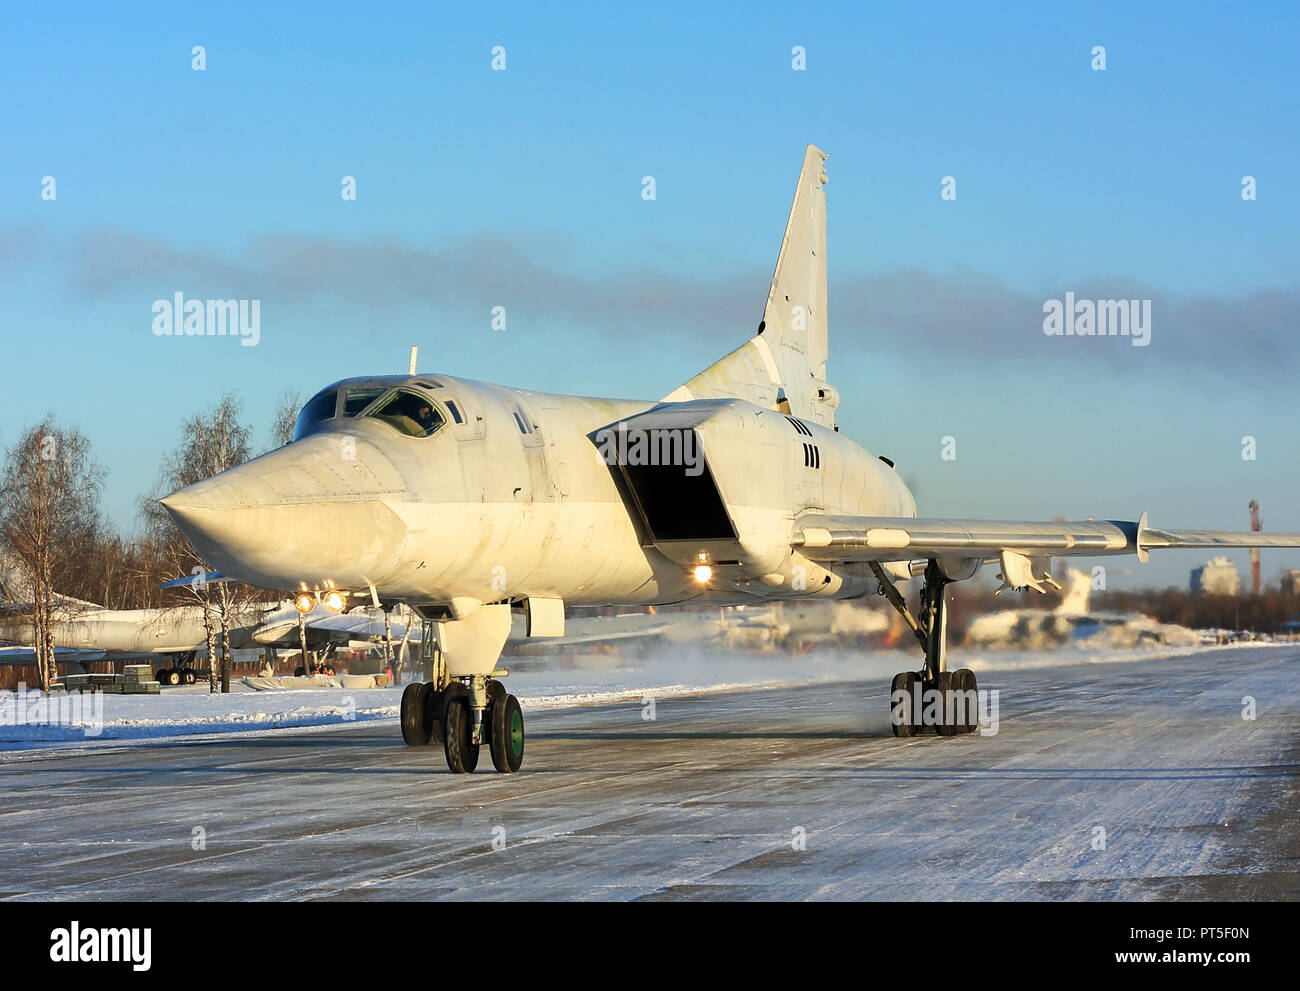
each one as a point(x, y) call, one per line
point(408, 412)
point(319, 407)
point(358, 399)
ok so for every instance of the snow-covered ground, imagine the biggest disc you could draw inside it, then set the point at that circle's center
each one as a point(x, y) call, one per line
point(192, 711)
point(1172, 777)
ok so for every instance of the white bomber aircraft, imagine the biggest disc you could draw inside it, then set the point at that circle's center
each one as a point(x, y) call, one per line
point(463, 499)
point(86, 631)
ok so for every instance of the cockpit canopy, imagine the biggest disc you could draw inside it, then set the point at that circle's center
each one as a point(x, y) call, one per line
point(396, 401)
point(319, 407)
point(409, 412)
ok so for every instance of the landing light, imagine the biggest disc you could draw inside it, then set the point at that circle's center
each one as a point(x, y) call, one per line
point(703, 573)
point(332, 601)
point(304, 602)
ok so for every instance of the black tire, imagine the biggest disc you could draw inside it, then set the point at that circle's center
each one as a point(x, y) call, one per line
point(300, 672)
point(453, 690)
point(169, 677)
point(415, 732)
point(506, 733)
point(902, 719)
point(161, 676)
point(433, 706)
point(943, 725)
point(964, 681)
point(190, 678)
point(462, 755)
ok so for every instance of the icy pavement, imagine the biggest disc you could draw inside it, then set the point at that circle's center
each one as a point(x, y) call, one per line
point(1136, 780)
point(193, 711)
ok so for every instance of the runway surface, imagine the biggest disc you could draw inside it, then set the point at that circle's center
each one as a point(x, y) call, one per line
point(707, 801)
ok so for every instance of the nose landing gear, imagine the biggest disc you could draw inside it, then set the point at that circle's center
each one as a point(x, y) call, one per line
point(433, 716)
point(463, 713)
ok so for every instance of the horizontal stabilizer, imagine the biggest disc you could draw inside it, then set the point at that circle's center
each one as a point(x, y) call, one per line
point(197, 581)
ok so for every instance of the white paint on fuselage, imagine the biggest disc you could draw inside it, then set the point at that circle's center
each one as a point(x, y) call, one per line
point(483, 511)
point(130, 631)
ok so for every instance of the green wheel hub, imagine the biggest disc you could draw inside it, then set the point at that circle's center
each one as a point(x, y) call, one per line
point(505, 726)
point(516, 732)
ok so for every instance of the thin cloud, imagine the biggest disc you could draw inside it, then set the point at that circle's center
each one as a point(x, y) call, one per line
point(959, 315)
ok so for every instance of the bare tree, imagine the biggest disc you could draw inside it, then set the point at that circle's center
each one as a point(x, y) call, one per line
point(211, 441)
point(302, 641)
point(175, 556)
point(118, 573)
point(49, 515)
point(286, 415)
point(408, 619)
point(388, 647)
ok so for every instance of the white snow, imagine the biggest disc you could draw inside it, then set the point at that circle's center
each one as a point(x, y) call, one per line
point(193, 711)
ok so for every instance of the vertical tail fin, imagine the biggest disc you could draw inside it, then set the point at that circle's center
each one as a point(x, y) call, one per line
point(1076, 599)
point(795, 314)
point(784, 365)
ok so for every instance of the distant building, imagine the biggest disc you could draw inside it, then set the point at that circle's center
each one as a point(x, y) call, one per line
point(1218, 576)
point(1291, 582)
point(1288, 631)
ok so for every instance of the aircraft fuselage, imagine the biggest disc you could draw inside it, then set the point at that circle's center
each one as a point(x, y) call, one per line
point(522, 494)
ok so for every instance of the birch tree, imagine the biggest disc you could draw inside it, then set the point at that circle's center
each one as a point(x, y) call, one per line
point(49, 516)
point(211, 441)
point(286, 416)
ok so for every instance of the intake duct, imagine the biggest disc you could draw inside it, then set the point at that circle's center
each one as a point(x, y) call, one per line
point(673, 487)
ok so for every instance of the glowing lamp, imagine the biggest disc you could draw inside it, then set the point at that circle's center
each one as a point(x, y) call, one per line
point(305, 602)
point(703, 573)
point(332, 600)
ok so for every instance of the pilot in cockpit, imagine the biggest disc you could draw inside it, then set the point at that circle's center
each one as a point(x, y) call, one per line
point(424, 416)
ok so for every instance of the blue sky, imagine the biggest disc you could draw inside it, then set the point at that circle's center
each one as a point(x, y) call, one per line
point(523, 188)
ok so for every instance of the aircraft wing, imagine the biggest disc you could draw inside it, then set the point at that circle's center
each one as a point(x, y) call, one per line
point(283, 625)
point(609, 632)
point(199, 579)
point(359, 624)
point(871, 538)
point(26, 656)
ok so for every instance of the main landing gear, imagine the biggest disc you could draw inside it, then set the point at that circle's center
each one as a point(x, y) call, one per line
point(181, 674)
point(933, 698)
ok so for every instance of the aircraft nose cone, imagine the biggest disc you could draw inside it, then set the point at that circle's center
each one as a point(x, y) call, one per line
point(313, 511)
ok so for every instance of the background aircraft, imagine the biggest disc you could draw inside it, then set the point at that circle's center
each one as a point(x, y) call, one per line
point(1073, 622)
point(175, 635)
